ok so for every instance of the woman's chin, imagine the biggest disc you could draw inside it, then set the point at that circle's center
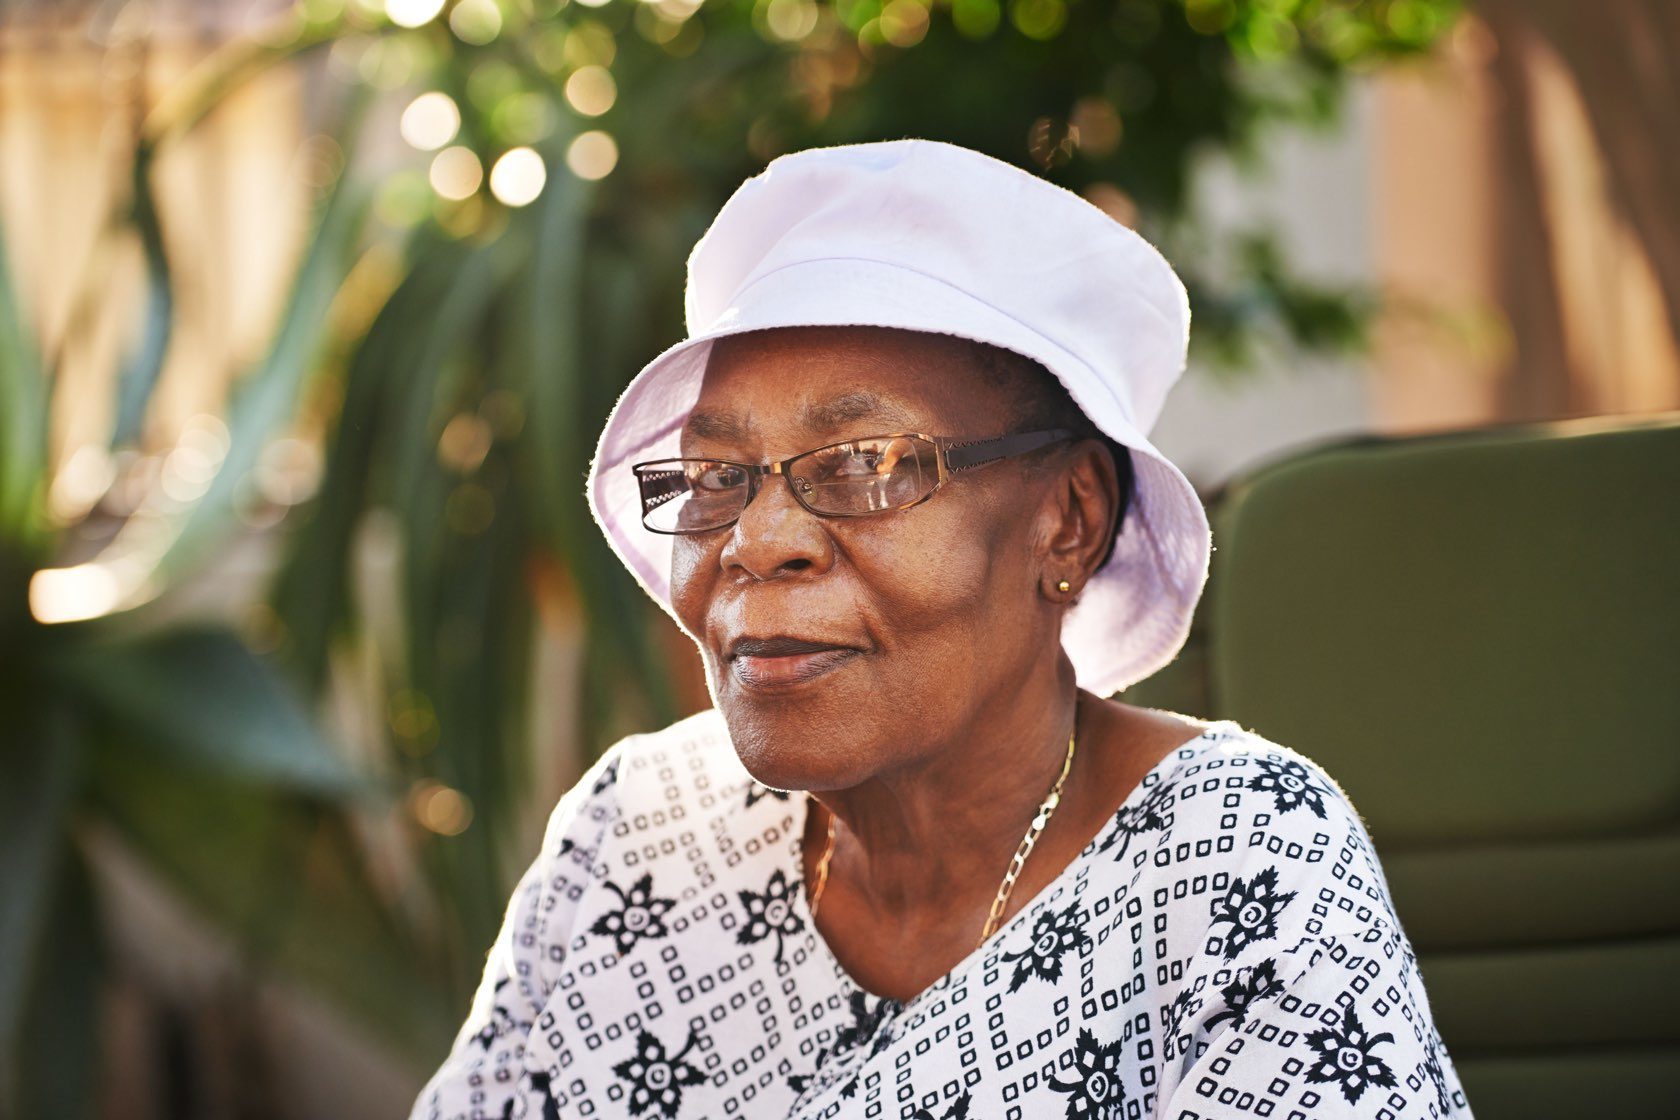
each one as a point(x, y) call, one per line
point(800, 764)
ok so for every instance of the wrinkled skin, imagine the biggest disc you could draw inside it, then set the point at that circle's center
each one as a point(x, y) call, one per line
point(940, 719)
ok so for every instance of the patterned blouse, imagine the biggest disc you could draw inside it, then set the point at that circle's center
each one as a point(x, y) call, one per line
point(1226, 947)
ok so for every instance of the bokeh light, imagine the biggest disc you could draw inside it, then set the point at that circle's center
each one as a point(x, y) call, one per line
point(903, 23)
point(73, 594)
point(187, 473)
point(590, 43)
point(287, 472)
point(440, 809)
point(591, 90)
point(1096, 125)
point(476, 21)
point(430, 121)
point(456, 173)
point(81, 482)
point(790, 20)
point(592, 155)
point(518, 177)
point(412, 13)
point(1038, 19)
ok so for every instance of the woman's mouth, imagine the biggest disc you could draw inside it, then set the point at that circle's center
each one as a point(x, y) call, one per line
point(772, 663)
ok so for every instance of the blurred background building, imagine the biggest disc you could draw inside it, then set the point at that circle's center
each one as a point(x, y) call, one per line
point(314, 309)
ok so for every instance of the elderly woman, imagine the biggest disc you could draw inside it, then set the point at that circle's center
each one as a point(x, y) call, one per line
point(896, 487)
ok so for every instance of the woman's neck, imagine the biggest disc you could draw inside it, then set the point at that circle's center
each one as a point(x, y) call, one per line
point(914, 876)
point(919, 843)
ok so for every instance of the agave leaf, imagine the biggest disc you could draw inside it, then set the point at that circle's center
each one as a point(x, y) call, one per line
point(39, 769)
point(23, 422)
point(199, 697)
point(311, 592)
point(456, 585)
point(140, 373)
point(61, 1026)
point(209, 84)
point(475, 666)
point(418, 407)
point(545, 349)
point(266, 397)
point(284, 876)
point(546, 340)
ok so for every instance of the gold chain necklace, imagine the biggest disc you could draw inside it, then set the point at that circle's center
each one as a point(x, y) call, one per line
point(1045, 809)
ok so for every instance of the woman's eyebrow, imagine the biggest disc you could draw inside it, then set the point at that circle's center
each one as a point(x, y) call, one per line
point(836, 413)
point(722, 426)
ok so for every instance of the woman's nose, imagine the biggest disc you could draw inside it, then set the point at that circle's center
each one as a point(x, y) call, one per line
point(776, 537)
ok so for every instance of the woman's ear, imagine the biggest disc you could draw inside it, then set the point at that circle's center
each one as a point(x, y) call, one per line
point(1084, 504)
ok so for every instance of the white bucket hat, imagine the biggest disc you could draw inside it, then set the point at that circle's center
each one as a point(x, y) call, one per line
point(932, 237)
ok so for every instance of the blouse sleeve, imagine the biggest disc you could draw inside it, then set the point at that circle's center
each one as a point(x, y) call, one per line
point(1339, 1026)
point(485, 1074)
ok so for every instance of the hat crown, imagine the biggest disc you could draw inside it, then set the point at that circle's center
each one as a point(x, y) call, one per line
point(1034, 251)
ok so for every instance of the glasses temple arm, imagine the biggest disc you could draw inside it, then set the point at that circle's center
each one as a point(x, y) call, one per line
point(962, 456)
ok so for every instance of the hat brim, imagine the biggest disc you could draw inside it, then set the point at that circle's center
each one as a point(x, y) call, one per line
point(1133, 616)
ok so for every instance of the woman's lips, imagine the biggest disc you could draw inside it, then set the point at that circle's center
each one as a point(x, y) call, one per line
point(784, 662)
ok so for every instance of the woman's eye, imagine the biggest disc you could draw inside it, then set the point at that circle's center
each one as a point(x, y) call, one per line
point(856, 462)
point(719, 477)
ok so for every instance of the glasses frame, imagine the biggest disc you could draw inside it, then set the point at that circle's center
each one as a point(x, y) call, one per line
point(952, 456)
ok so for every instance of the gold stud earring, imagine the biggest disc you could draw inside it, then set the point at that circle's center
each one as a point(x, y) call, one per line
point(1064, 587)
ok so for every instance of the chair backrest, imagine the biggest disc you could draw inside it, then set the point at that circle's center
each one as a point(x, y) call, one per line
point(1478, 635)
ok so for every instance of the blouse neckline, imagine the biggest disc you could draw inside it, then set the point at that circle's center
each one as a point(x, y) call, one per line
point(1043, 895)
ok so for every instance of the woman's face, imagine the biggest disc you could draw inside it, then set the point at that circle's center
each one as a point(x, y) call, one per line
point(839, 648)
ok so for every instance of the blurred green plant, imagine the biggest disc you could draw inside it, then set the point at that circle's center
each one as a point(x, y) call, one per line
point(534, 263)
point(174, 740)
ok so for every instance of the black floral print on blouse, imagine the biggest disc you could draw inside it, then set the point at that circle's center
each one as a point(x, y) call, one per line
point(1432, 1069)
point(1250, 987)
point(1148, 815)
point(501, 1022)
point(1345, 1056)
point(1054, 935)
point(866, 1026)
point(657, 1079)
point(1095, 1091)
point(770, 912)
point(519, 1109)
point(641, 915)
point(1290, 784)
point(1174, 1038)
point(1251, 909)
point(957, 1111)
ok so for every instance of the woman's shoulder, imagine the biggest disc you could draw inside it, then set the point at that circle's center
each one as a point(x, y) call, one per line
point(693, 750)
point(650, 780)
point(1238, 815)
point(1229, 767)
point(1267, 769)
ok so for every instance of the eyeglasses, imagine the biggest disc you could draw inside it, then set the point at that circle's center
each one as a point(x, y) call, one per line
point(852, 479)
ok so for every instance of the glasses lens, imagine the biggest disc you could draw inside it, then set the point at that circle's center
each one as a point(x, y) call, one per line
point(866, 475)
point(691, 495)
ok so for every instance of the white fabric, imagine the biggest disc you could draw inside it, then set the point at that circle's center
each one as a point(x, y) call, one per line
point(929, 236)
point(1225, 947)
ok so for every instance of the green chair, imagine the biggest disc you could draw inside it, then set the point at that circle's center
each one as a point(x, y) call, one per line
point(1478, 635)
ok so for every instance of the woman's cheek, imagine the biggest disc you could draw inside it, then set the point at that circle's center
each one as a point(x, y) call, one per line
point(693, 576)
point(929, 584)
